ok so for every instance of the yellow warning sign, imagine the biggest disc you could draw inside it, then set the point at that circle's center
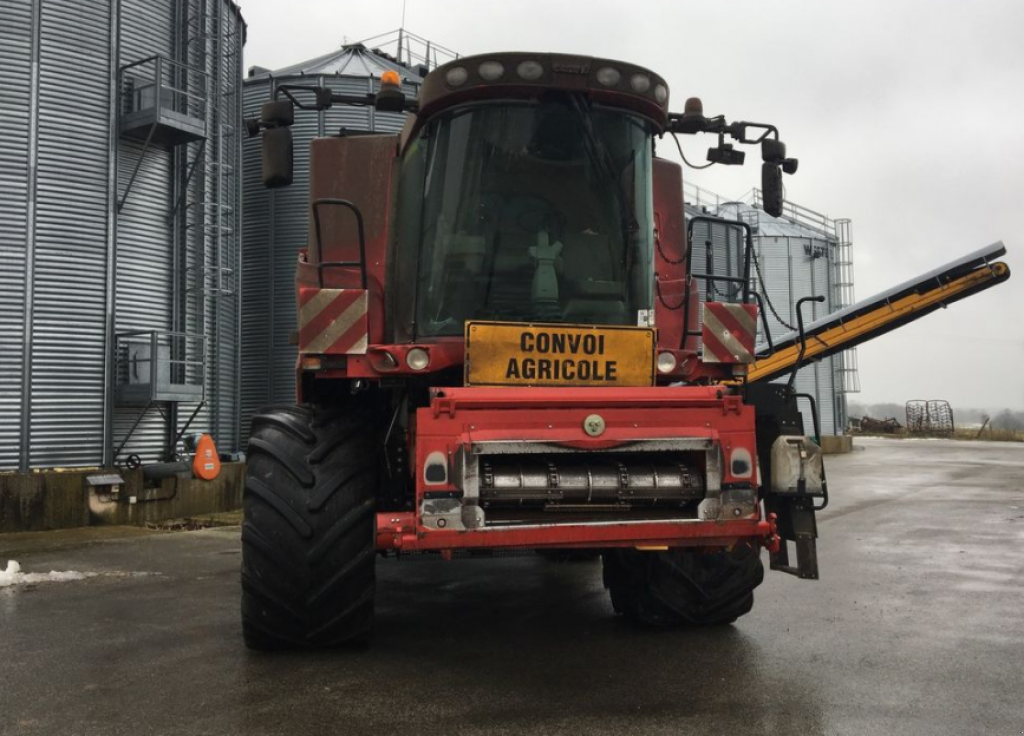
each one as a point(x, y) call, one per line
point(509, 354)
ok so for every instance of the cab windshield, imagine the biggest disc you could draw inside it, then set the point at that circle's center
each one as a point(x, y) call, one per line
point(528, 212)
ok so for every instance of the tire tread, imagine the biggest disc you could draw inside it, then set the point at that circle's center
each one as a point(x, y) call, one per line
point(683, 586)
point(308, 533)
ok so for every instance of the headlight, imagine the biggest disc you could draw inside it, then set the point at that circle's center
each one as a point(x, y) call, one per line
point(661, 94)
point(417, 359)
point(640, 83)
point(530, 70)
point(666, 362)
point(491, 70)
point(609, 76)
point(456, 76)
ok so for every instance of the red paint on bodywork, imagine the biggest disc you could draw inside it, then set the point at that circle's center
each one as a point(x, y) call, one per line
point(360, 170)
point(400, 532)
point(459, 417)
point(670, 259)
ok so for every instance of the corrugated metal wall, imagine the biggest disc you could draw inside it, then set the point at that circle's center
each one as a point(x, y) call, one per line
point(16, 116)
point(275, 224)
point(259, 291)
point(223, 209)
point(145, 241)
point(69, 328)
point(63, 248)
point(791, 274)
point(178, 234)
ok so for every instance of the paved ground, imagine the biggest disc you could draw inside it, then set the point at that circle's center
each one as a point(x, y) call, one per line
point(916, 628)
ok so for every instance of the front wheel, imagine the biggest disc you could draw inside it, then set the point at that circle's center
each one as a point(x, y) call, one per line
point(308, 532)
point(683, 586)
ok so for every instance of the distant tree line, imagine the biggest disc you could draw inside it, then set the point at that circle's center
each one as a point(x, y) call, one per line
point(1004, 419)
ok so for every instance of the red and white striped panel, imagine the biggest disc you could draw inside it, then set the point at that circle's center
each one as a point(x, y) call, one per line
point(729, 333)
point(333, 321)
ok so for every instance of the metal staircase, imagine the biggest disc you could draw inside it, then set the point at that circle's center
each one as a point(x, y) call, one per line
point(190, 104)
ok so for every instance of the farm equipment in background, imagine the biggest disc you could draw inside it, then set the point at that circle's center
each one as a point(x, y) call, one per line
point(501, 345)
point(932, 417)
point(870, 425)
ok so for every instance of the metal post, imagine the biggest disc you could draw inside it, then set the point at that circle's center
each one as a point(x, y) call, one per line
point(153, 347)
point(237, 227)
point(138, 165)
point(110, 298)
point(30, 241)
point(158, 86)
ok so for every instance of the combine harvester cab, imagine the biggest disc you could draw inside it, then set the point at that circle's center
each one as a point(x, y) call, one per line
point(501, 346)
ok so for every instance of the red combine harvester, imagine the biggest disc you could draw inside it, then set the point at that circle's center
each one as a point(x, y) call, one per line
point(502, 346)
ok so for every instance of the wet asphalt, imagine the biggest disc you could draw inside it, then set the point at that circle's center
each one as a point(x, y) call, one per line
point(916, 627)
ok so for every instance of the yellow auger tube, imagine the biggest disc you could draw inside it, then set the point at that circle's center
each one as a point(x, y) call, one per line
point(867, 325)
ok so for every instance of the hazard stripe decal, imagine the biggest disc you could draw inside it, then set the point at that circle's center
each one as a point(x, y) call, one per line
point(333, 321)
point(729, 333)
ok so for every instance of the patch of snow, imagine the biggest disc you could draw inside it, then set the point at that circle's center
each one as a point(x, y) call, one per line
point(14, 576)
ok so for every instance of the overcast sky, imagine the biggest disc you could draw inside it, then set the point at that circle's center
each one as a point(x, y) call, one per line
point(907, 117)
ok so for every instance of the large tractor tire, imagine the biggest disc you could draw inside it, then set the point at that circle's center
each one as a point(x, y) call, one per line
point(308, 533)
point(683, 586)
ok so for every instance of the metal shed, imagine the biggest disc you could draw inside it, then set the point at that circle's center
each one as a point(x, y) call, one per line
point(118, 227)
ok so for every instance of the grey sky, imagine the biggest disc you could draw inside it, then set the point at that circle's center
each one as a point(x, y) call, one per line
point(907, 117)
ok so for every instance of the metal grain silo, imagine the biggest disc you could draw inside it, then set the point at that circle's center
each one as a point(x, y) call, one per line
point(119, 234)
point(275, 221)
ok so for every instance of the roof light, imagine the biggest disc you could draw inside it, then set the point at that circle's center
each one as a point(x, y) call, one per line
point(608, 76)
point(390, 78)
point(640, 83)
point(661, 94)
point(491, 70)
point(456, 76)
point(530, 70)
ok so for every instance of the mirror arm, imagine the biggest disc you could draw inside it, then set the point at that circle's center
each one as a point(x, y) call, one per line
point(691, 125)
point(738, 131)
point(288, 89)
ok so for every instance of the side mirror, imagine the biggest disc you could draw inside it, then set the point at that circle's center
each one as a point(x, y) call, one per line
point(277, 157)
point(279, 113)
point(772, 150)
point(771, 188)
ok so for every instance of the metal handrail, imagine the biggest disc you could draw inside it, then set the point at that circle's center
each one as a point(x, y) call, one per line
point(164, 60)
point(154, 78)
point(743, 281)
point(154, 338)
point(320, 263)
